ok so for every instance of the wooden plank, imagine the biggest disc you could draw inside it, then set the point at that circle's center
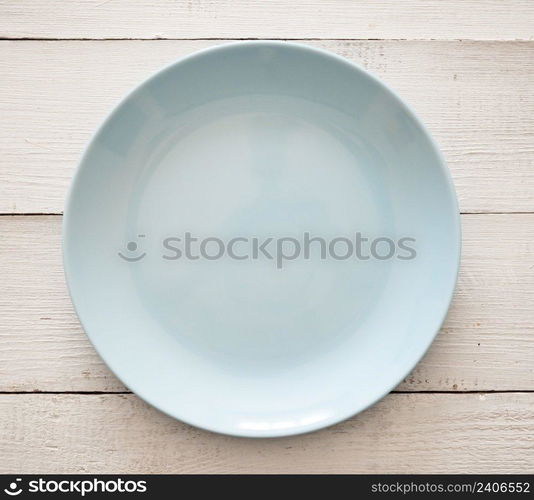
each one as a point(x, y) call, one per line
point(42, 345)
point(476, 97)
point(413, 19)
point(486, 343)
point(404, 433)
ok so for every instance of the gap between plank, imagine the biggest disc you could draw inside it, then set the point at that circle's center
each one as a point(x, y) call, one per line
point(59, 214)
point(296, 39)
point(92, 393)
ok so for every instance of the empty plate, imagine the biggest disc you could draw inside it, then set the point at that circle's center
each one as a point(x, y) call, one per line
point(261, 239)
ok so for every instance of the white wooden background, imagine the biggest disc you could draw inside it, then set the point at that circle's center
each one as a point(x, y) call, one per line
point(466, 66)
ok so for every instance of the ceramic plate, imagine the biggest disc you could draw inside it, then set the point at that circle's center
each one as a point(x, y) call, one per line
point(261, 239)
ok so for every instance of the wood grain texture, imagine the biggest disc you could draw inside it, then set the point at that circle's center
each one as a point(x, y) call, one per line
point(486, 343)
point(477, 99)
point(362, 19)
point(476, 96)
point(404, 433)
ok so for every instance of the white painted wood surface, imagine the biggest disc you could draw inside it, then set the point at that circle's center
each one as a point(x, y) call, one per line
point(354, 19)
point(477, 98)
point(404, 433)
point(467, 68)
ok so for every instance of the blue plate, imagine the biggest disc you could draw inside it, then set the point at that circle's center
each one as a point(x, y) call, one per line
point(261, 239)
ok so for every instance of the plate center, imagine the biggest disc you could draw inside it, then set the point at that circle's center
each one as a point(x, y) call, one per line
point(276, 177)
